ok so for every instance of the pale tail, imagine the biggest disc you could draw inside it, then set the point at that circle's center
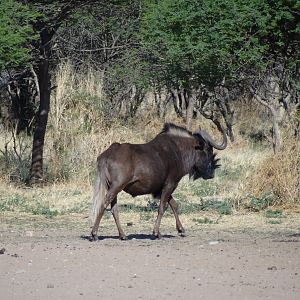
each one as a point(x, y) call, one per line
point(100, 190)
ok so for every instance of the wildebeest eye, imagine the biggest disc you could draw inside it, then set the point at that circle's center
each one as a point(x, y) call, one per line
point(200, 143)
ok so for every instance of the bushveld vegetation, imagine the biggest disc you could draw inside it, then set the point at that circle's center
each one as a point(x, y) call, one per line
point(97, 72)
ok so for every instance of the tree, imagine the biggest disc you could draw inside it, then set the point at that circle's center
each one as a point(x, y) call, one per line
point(54, 13)
point(106, 39)
point(195, 44)
point(200, 46)
point(276, 84)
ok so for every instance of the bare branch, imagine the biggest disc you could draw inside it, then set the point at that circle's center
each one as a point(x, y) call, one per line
point(259, 99)
point(36, 81)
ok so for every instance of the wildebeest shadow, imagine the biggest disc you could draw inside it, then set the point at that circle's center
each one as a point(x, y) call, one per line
point(138, 236)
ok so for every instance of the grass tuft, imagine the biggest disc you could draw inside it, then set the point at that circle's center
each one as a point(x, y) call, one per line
point(276, 181)
point(204, 220)
point(274, 214)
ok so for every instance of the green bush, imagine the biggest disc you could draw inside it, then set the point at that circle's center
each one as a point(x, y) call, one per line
point(258, 204)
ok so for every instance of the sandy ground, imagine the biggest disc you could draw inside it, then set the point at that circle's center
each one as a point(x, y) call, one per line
point(237, 259)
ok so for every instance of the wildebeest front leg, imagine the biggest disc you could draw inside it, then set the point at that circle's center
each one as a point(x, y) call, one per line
point(179, 226)
point(115, 213)
point(161, 209)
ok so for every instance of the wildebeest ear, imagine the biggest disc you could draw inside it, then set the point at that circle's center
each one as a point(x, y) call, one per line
point(200, 142)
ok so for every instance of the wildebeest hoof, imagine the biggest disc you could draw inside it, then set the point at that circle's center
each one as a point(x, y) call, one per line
point(181, 232)
point(123, 237)
point(94, 237)
point(157, 235)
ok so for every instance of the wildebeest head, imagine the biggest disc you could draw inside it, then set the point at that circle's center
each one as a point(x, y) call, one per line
point(206, 161)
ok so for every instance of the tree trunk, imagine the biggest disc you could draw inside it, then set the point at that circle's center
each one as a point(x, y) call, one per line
point(276, 133)
point(177, 102)
point(190, 112)
point(297, 125)
point(228, 114)
point(275, 112)
point(44, 81)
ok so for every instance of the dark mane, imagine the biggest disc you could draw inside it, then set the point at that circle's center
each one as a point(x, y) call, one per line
point(170, 128)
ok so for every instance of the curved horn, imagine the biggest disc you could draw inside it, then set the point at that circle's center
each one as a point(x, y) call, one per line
point(210, 140)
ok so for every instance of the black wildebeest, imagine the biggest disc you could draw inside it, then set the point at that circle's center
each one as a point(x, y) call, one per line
point(153, 168)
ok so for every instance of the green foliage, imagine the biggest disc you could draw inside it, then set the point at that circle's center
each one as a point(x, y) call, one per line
point(16, 33)
point(204, 221)
point(204, 188)
point(222, 207)
point(20, 203)
point(11, 203)
point(185, 207)
point(258, 204)
point(37, 204)
point(42, 209)
point(199, 42)
point(274, 214)
point(152, 205)
point(274, 221)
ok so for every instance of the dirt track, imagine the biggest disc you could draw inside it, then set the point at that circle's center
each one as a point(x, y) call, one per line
point(55, 262)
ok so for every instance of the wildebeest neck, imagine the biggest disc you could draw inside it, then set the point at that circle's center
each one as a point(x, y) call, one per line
point(182, 150)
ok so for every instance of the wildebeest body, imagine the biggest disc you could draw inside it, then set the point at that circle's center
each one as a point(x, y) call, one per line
point(142, 167)
point(152, 168)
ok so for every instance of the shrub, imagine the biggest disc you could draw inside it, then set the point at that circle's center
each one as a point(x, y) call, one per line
point(274, 214)
point(261, 203)
point(277, 179)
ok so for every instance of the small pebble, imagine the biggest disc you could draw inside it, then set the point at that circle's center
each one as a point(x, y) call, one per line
point(213, 243)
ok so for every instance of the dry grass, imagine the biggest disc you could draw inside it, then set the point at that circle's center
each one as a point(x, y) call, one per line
point(278, 176)
point(78, 128)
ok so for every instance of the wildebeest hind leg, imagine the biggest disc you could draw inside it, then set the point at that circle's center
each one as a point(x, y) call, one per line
point(97, 222)
point(115, 213)
point(110, 196)
point(179, 226)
